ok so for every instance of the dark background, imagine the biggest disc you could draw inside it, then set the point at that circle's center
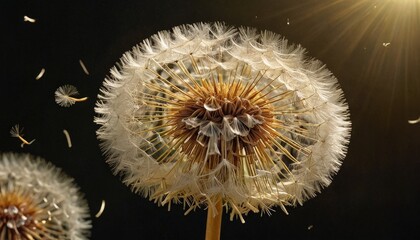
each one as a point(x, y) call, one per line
point(376, 193)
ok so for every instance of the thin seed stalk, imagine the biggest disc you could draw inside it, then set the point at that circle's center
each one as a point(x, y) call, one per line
point(214, 221)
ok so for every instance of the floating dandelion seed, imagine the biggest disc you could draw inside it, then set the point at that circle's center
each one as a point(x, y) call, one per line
point(101, 209)
point(64, 96)
point(38, 202)
point(41, 73)
point(17, 132)
point(213, 116)
point(83, 67)
point(28, 19)
point(66, 133)
point(414, 121)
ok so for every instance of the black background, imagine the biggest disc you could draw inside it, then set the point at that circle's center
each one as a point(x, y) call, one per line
point(376, 193)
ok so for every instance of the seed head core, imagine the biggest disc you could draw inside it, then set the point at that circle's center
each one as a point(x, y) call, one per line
point(221, 120)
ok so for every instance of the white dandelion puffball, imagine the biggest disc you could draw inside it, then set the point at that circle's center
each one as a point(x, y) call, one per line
point(208, 111)
point(38, 202)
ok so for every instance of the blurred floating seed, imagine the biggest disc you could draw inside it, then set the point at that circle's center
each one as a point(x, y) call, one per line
point(101, 210)
point(414, 121)
point(386, 44)
point(83, 67)
point(28, 19)
point(66, 133)
point(17, 132)
point(288, 21)
point(64, 96)
point(310, 227)
point(40, 74)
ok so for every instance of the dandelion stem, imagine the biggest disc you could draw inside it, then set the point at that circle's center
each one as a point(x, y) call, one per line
point(214, 221)
point(78, 99)
point(23, 140)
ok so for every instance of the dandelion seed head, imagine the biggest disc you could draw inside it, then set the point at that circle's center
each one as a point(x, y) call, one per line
point(207, 110)
point(37, 201)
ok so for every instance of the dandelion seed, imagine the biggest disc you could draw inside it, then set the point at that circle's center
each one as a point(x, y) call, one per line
point(17, 132)
point(66, 133)
point(214, 116)
point(83, 67)
point(40, 74)
point(288, 21)
point(386, 44)
point(310, 227)
point(64, 96)
point(38, 201)
point(28, 19)
point(101, 210)
point(414, 121)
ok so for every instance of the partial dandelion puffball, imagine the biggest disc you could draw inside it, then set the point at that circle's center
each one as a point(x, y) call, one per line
point(37, 201)
point(208, 111)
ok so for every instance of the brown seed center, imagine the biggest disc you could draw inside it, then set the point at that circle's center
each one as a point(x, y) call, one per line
point(222, 122)
point(16, 211)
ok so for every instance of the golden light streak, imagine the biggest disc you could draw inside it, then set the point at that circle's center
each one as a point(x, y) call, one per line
point(377, 40)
